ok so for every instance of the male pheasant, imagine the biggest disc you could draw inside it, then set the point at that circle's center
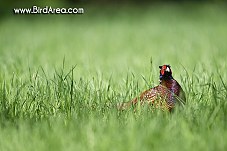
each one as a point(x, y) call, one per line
point(165, 96)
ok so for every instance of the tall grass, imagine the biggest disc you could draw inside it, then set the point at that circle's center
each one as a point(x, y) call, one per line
point(48, 111)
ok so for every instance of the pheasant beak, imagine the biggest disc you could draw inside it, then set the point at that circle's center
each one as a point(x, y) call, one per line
point(167, 69)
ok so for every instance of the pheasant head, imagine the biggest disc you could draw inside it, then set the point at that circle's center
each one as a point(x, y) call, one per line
point(165, 72)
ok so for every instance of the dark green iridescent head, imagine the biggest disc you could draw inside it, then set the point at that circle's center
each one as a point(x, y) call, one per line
point(165, 72)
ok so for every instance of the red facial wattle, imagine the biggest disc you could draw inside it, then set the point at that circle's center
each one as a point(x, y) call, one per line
point(163, 70)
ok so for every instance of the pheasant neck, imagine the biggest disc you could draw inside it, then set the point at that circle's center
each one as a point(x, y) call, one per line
point(171, 84)
point(167, 82)
point(165, 78)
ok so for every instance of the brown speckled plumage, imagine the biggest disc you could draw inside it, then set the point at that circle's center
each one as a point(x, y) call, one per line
point(164, 96)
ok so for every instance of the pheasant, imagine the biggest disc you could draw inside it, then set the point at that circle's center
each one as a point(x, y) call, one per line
point(165, 96)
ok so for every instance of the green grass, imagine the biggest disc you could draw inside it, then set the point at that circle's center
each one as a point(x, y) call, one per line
point(47, 104)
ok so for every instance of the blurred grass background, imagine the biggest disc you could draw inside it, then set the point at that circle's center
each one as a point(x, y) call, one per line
point(113, 37)
point(111, 46)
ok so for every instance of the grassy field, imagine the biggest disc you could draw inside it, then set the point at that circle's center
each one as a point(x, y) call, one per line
point(62, 76)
